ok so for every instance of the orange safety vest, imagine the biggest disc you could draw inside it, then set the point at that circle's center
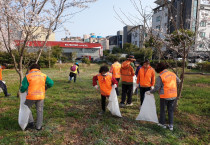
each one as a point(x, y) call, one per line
point(0, 73)
point(145, 78)
point(105, 83)
point(169, 84)
point(116, 70)
point(127, 72)
point(36, 88)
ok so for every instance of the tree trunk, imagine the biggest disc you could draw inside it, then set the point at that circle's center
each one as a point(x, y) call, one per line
point(181, 83)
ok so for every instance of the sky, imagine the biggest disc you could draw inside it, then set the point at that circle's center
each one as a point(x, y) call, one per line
point(100, 18)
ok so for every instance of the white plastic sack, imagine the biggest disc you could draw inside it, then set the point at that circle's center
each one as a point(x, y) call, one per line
point(24, 112)
point(148, 109)
point(134, 83)
point(113, 105)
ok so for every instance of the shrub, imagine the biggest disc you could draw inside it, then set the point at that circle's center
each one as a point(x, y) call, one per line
point(204, 66)
point(85, 60)
point(122, 59)
point(172, 63)
point(111, 57)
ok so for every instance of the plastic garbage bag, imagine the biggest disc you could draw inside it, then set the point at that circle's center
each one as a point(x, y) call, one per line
point(148, 109)
point(134, 83)
point(24, 112)
point(113, 105)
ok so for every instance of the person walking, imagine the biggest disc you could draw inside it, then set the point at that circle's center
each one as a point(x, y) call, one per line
point(74, 71)
point(2, 83)
point(167, 86)
point(35, 83)
point(115, 70)
point(105, 80)
point(127, 73)
point(146, 79)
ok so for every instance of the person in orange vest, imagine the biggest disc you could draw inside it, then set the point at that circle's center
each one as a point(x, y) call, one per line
point(166, 84)
point(74, 71)
point(127, 73)
point(35, 83)
point(2, 84)
point(115, 70)
point(105, 80)
point(146, 79)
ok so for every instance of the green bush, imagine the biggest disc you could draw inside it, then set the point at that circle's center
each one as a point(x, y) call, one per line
point(122, 59)
point(44, 61)
point(172, 63)
point(85, 60)
point(112, 57)
point(204, 66)
point(143, 54)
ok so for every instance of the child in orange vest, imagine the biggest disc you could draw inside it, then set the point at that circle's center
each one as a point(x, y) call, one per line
point(105, 80)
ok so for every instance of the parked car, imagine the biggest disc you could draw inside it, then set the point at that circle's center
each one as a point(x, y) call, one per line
point(191, 65)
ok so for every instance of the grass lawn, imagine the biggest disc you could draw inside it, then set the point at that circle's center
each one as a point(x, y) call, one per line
point(71, 114)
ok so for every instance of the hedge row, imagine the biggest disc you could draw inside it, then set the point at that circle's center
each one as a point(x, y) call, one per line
point(171, 63)
point(6, 59)
point(204, 66)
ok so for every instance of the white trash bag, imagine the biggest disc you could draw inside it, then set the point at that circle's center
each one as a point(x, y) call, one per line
point(113, 105)
point(148, 109)
point(24, 112)
point(134, 83)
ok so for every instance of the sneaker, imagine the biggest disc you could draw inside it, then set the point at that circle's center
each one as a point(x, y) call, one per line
point(30, 126)
point(161, 125)
point(39, 129)
point(171, 128)
point(7, 95)
point(131, 104)
point(122, 105)
point(101, 113)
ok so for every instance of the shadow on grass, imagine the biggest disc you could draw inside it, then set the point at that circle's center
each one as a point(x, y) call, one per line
point(9, 123)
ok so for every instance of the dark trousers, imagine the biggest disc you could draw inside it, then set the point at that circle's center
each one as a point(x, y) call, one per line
point(170, 108)
point(117, 91)
point(142, 93)
point(73, 75)
point(127, 90)
point(103, 102)
point(4, 87)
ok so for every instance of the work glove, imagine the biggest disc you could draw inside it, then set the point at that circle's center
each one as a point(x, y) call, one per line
point(115, 85)
point(152, 87)
point(148, 93)
point(96, 86)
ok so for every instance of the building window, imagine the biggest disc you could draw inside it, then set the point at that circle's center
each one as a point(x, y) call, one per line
point(158, 27)
point(201, 45)
point(202, 34)
point(203, 24)
point(158, 19)
point(166, 14)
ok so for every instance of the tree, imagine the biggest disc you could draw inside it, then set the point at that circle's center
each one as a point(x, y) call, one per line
point(129, 48)
point(20, 19)
point(143, 54)
point(116, 50)
point(56, 51)
point(106, 52)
